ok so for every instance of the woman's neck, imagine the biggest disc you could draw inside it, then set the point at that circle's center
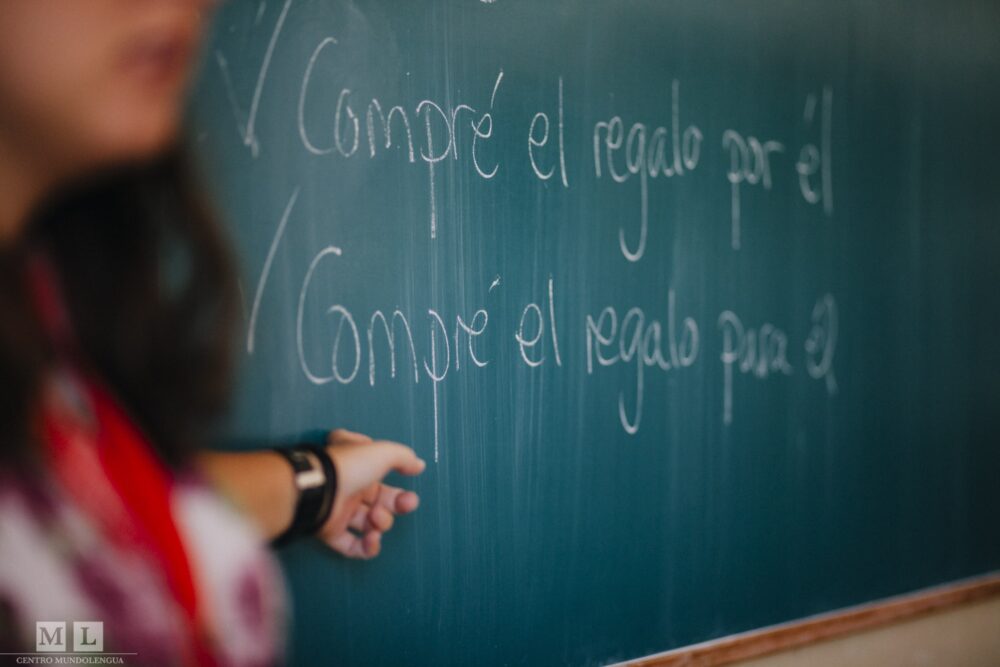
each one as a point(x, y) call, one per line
point(22, 188)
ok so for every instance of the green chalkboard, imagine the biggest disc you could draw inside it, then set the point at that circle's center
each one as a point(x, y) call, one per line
point(692, 306)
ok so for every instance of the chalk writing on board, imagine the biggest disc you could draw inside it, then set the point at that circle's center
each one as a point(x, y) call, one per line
point(538, 137)
point(759, 352)
point(247, 122)
point(443, 353)
point(643, 341)
point(478, 132)
point(813, 159)
point(633, 156)
point(646, 155)
point(822, 343)
point(266, 270)
point(749, 164)
point(634, 338)
point(443, 136)
point(431, 131)
point(534, 321)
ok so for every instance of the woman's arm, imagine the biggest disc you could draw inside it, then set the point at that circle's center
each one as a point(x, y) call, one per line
point(262, 485)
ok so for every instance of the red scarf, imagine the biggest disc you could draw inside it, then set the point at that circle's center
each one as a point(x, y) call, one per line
point(109, 467)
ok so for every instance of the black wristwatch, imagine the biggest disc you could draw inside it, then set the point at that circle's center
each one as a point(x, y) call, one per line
point(316, 482)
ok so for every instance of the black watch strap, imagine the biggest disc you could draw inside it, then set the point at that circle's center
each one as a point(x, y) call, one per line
point(316, 483)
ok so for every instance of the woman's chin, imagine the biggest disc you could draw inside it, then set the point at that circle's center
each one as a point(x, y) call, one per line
point(137, 139)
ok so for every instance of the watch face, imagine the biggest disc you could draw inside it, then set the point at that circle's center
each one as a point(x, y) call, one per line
point(301, 460)
point(312, 475)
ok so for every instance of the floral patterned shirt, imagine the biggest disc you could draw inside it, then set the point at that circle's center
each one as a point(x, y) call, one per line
point(109, 534)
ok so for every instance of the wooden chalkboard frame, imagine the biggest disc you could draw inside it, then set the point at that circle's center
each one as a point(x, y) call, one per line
point(822, 627)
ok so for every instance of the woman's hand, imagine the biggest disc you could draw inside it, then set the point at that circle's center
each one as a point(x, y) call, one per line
point(365, 508)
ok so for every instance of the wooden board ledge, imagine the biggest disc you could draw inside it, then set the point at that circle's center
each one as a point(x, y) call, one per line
point(794, 634)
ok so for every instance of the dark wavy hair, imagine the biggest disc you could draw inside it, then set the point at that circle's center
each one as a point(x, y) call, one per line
point(148, 280)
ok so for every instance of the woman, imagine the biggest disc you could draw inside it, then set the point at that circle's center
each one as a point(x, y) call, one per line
point(117, 305)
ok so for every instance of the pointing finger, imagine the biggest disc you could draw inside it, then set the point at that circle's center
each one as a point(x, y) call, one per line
point(401, 458)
